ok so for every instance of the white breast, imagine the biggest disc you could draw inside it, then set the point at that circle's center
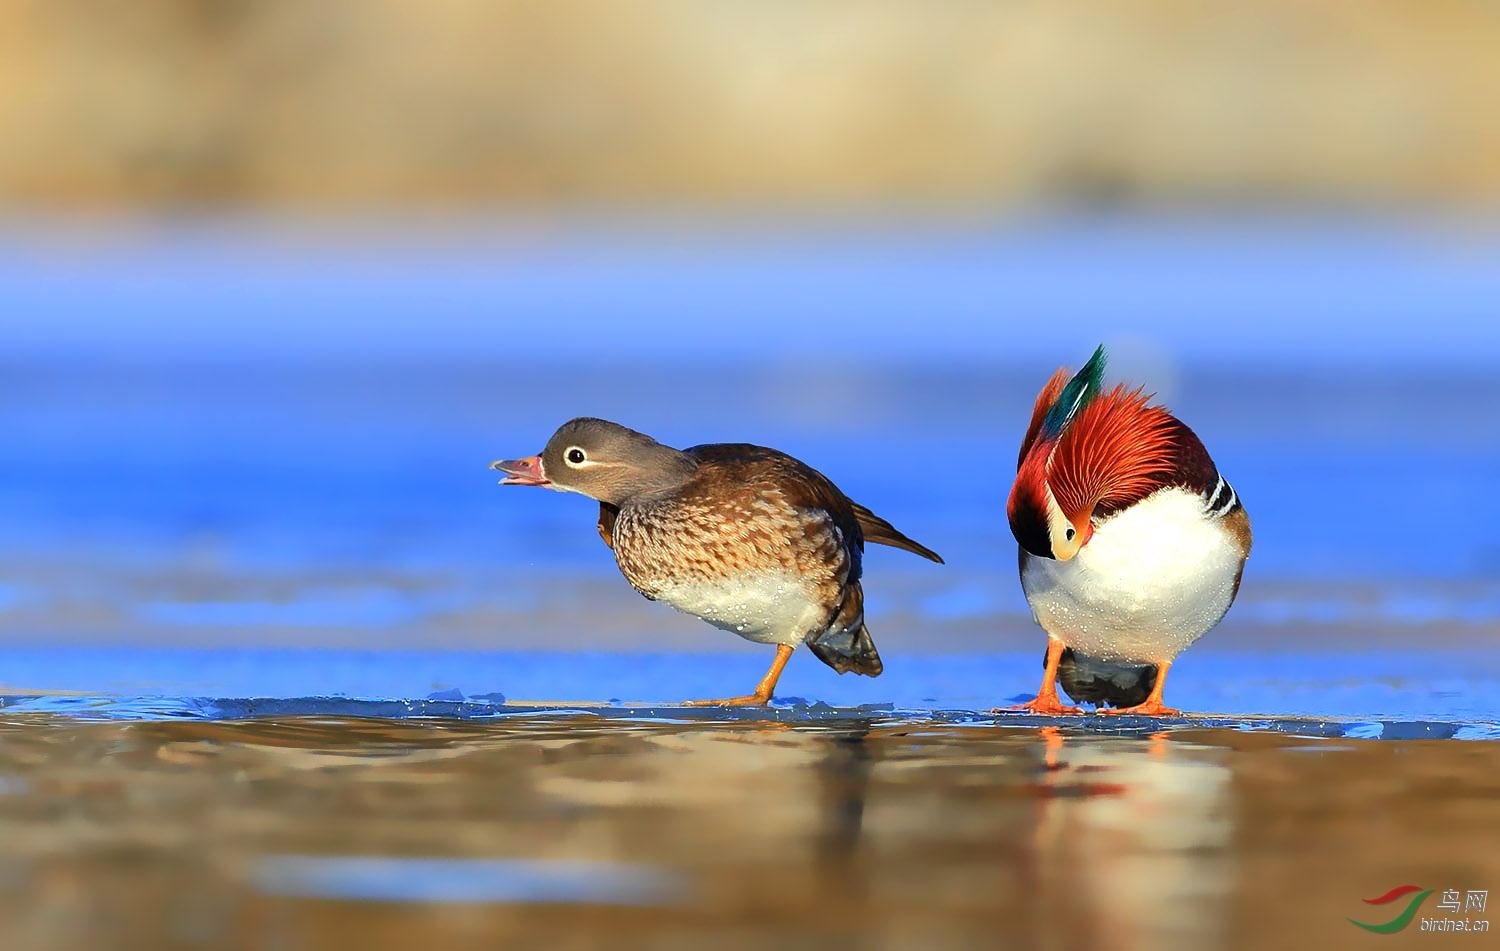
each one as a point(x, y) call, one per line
point(770, 608)
point(1152, 580)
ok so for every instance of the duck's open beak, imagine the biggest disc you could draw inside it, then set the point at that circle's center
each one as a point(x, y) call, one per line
point(526, 471)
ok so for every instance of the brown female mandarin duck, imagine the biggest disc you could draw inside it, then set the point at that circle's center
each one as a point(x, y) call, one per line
point(746, 538)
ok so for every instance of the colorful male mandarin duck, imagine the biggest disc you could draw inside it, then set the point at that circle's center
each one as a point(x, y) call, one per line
point(746, 538)
point(1132, 543)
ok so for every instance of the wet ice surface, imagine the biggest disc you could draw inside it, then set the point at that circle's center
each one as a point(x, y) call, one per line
point(796, 712)
point(1389, 694)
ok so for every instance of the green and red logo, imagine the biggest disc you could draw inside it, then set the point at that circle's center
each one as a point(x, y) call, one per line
point(1403, 919)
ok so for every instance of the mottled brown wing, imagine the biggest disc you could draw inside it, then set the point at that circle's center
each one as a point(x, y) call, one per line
point(801, 484)
point(808, 488)
point(809, 502)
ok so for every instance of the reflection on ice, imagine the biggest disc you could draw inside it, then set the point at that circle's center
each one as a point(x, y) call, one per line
point(386, 879)
point(589, 826)
point(1124, 847)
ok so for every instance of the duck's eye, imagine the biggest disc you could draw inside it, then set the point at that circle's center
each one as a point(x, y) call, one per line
point(575, 456)
point(1069, 534)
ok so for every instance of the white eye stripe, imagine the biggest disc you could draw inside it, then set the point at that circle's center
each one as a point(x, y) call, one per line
point(583, 463)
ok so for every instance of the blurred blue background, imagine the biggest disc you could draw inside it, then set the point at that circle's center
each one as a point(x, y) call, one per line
point(260, 339)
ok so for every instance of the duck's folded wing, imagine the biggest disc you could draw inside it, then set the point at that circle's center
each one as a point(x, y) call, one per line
point(846, 645)
point(804, 487)
point(878, 530)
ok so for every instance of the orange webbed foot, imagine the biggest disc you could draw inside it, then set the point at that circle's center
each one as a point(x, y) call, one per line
point(1151, 708)
point(1043, 706)
point(752, 700)
point(763, 691)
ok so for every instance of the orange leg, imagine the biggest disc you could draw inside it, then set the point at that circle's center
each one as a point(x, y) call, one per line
point(1047, 702)
point(763, 690)
point(1152, 707)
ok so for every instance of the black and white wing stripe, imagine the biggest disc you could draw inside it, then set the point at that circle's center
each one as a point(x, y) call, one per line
point(1222, 500)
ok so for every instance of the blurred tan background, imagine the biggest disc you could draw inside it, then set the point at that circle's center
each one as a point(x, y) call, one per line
point(952, 104)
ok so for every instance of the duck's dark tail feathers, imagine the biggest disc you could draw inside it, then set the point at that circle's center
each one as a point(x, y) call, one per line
point(846, 645)
point(880, 532)
point(1104, 683)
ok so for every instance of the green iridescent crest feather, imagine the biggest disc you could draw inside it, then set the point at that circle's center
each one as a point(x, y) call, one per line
point(1080, 392)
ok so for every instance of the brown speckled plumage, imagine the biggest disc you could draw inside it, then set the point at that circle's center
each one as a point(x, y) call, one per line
point(759, 511)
